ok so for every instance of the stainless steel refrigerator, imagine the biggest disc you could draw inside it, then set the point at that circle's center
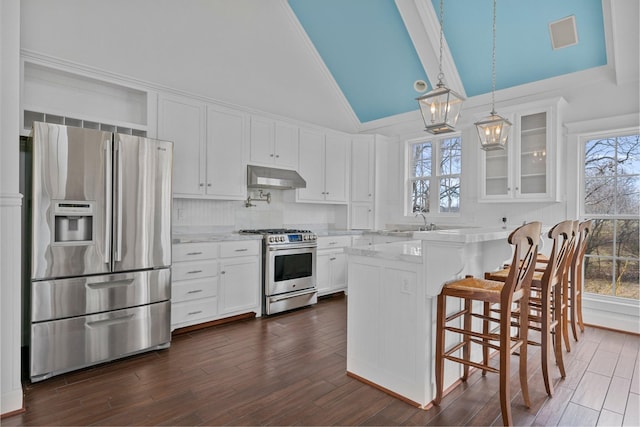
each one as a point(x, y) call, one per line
point(101, 247)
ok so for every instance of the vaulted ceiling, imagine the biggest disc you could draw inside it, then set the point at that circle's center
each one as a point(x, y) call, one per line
point(345, 64)
point(368, 47)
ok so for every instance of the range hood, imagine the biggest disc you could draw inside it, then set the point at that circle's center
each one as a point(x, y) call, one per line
point(265, 177)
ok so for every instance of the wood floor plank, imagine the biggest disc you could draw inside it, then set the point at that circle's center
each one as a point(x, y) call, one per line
point(576, 415)
point(603, 362)
point(626, 364)
point(616, 400)
point(290, 369)
point(632, 414)
point(591, 391)
point(609, 419)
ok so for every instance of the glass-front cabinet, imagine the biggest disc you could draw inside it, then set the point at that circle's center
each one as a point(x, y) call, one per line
point(527, 169)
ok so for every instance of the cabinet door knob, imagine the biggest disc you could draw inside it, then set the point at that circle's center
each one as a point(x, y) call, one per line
point(208, 185)
point(201, 185)
point(270, 155)
point(277, 156)
point(222, 272)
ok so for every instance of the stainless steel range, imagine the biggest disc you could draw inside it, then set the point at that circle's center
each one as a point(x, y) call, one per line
point(289, 269)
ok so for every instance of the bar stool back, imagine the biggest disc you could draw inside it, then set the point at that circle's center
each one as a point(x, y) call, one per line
point(515, 290)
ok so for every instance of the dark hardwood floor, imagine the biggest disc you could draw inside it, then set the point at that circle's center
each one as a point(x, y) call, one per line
point(290, 370)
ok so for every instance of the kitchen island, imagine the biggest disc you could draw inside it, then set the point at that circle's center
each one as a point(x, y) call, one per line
point(392, 305)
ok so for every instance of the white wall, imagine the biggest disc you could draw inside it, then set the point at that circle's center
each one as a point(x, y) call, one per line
point(10, 202)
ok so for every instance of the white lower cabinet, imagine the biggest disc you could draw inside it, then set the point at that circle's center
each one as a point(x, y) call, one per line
point(331, 264)
point(240, 284)
point(214, 280)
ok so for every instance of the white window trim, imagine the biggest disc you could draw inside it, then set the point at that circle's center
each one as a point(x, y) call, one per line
point(407, 164)
point(599, 310)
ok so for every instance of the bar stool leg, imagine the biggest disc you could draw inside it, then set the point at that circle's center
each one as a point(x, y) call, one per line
point(466, 350)
point(439, 371)
point(558, 331)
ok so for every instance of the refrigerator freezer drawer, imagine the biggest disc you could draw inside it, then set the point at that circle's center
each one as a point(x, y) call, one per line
point(56, 299)
point(64, 345)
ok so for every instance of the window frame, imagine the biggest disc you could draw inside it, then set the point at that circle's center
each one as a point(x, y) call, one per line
point(434, 178)
point(583, 140)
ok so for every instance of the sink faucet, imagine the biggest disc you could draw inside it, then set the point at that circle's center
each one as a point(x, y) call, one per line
point(424, 218)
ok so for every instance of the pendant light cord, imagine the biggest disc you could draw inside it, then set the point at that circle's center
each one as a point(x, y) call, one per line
point(441, 74)
point(493, 64)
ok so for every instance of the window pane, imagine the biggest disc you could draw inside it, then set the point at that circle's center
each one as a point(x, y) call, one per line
point(601, 241)
point(421, 159)
point(450, 156)
point(600, 157)
point(598, 275)
point(629, 155)
point(628, 195)
point(628, 280)
point(420, 196)
point(450, 195)
point(627, 238)
point(599, 195)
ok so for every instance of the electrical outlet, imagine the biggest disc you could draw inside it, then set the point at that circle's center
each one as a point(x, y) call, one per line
point(181, 214)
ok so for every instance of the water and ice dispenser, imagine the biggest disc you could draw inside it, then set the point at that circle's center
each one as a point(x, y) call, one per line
point(73, 222)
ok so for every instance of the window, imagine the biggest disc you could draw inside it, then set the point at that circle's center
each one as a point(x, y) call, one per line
point(611, 198)
point(434, 175)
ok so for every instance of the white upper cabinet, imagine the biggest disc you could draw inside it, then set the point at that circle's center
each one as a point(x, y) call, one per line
point(226, 174)
point(527, 170)
point(362, 168)
point(208, 147)
point(337, 167)
point(323, 163)
point(362, 182)
point(273, 143)
point(183, 121)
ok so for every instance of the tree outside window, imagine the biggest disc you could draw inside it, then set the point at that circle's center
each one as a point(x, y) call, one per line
point(612, 200)
point(434, 175)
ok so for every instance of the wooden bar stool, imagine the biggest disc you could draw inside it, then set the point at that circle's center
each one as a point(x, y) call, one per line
point(515, 290)
point(545, 301)
point(576, 279)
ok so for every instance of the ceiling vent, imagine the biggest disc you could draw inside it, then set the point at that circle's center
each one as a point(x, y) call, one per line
point(563, 32)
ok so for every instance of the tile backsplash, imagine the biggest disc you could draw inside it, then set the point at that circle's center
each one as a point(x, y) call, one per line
point(234, 215)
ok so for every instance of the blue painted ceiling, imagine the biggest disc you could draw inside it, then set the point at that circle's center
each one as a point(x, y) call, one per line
point(370, 54)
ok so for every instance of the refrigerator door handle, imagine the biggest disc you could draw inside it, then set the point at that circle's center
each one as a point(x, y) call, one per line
point(107, 210)
point(118, 201)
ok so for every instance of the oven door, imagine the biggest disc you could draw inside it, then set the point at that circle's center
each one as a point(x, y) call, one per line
point(289, 269)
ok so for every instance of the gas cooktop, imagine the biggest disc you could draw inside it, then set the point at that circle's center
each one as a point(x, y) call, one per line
point(274, 231)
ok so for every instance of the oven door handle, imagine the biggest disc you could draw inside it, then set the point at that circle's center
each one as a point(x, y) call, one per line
point(289, 247)
point(293, 294)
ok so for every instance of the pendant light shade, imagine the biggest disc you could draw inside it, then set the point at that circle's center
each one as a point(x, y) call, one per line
point(440, 109)
point(493, 130)
point(441, 106)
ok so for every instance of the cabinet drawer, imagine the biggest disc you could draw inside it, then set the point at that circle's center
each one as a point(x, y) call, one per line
point(334, 242)
point(186, 290)
point(193, 311)
point(194, 270)
point(194, 251)
point(239, 248)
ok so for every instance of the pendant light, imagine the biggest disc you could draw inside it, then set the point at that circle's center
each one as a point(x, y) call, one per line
point(493, 130)
point(441, 106)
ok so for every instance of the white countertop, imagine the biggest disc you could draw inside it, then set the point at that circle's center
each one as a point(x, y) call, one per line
point(410, 251)
point(177, 238)
point(464, 235)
